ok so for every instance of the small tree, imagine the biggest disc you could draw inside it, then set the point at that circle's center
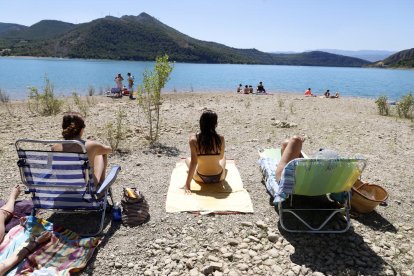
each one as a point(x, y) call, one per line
point(149, 94)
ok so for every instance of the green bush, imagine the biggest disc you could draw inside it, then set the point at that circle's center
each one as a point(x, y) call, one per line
point(81, 105)
point(383, 107)
point(115, 133)
point(5, 100)
point(405, 107)
point(46, 103)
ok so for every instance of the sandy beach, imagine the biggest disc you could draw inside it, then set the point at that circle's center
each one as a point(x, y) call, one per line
point(379, 243)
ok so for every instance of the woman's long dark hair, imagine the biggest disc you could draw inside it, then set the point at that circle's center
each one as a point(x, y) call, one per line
point(208, 140)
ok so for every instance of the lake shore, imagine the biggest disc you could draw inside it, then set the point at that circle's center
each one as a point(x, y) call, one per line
point(379, 243)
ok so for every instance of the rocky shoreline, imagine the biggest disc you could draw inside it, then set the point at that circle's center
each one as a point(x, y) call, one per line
point(379, 243)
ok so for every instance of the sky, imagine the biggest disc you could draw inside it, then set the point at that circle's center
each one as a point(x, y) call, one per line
point(267, 25)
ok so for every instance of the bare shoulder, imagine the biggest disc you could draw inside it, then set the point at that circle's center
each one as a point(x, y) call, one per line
point(193, 138)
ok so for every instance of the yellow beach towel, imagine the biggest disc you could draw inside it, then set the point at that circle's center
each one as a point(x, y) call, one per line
point(226, 196)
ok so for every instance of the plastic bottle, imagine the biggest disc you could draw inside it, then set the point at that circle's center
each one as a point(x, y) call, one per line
point(116, 212)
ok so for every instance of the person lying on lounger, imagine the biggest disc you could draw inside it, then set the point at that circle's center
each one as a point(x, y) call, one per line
point(207, 163)
point(290, 150)
point(6, 213)
point(73, 127)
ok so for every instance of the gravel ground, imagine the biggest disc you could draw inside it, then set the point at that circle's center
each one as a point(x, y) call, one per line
point(379, 243)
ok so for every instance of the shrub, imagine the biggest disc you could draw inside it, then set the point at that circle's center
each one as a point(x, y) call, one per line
point(81, 105)
point(115, 133)
point(149, 94)
point(45, 103)
point(383, 107)
point(91, 91)
point(405, 107)
point(5, 100)
point(280, 102)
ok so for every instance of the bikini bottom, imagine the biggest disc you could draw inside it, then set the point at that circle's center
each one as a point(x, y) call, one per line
point(210, 179)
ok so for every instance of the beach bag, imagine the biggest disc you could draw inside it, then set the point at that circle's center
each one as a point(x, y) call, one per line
point(135, 209)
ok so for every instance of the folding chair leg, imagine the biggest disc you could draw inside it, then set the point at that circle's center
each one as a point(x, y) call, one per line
point(318, 229)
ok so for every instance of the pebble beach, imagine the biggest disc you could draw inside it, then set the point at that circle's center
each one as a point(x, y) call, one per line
point(378, 243)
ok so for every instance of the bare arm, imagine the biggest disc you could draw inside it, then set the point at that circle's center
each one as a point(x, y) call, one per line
point(193, 163)
point(222, 148)
point(98, 148)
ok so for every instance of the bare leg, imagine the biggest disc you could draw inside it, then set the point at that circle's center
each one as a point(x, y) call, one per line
point(14, 259)
point(291, 151)
point(7, 209)
point(283, 146)
point(99, 167)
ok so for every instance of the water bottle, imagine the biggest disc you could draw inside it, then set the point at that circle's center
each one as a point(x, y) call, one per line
point(116, 212)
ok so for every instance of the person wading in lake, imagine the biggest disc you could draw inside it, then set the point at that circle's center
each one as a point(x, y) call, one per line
point(131, 80)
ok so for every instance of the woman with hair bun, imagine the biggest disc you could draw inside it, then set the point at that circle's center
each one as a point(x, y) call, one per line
point(73, 127)
point(207, 163)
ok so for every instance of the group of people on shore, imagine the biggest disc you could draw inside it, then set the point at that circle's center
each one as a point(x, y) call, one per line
point(120, 87)
point(327, 94)
point(248, 89)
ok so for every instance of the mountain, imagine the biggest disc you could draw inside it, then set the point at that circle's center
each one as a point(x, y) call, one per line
point(370, 55)
point(402, 59)
point(9, 27)
point(44, 29)
point(143, 37)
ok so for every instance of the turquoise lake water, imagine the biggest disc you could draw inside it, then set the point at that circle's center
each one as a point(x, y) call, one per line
point(75, 75)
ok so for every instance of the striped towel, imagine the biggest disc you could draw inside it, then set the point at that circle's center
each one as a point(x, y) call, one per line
point(59, 180)
point(279, 190)
point(66, 252)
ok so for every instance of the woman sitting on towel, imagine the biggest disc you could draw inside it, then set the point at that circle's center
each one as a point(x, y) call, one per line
point(73, 127)
point(207, 163)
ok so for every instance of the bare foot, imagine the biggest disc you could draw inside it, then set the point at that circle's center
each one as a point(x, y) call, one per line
point(8, 208)
point(15, 192)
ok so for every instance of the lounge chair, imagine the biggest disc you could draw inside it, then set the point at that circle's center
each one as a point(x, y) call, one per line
point(62, 181)
point(311, 177)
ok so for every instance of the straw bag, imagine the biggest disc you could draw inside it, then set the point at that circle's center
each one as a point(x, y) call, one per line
point(135, 209)
point(365, 196)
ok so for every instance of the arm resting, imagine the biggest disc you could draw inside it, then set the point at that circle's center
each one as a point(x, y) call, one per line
point(109, 179)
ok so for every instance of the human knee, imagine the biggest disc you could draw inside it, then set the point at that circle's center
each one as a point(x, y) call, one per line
point(296, 140)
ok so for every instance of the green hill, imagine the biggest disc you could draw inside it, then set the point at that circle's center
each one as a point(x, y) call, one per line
point(402, 59)
point(44, 29)
point(10, 27)
point(143, 37)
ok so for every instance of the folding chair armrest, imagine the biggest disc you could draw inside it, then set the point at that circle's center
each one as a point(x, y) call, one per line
point(109, 179)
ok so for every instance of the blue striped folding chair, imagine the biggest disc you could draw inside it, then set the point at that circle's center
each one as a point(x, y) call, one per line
point(62, 181)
